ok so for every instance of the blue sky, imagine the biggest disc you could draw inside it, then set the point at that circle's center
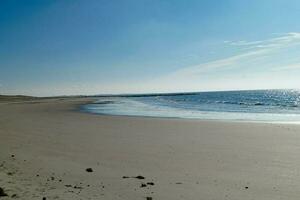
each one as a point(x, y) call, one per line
point(138, 46)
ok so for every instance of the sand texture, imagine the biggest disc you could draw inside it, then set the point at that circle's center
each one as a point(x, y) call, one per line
point(49, 150)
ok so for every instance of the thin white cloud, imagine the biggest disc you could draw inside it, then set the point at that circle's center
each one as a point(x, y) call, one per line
point(257, 65)
point(229, 62)
point(243, 43)
point(258, 49)
point(277, 41)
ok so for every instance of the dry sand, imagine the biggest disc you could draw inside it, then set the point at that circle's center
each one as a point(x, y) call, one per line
point(46, 147)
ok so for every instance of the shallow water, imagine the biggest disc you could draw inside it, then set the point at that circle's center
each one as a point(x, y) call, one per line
point(258, 105)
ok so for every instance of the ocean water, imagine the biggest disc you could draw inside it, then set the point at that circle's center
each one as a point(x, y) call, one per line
point(256, 105)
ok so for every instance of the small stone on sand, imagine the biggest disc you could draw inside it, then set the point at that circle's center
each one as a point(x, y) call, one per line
point(140, 177)
point(68, 185)
point(89, 170)
point(2, 193)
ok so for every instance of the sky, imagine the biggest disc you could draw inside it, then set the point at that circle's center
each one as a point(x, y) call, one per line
point(71, 47)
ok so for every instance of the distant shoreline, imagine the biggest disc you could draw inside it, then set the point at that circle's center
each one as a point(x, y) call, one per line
point(138, 112)
point(263, 106)
point(138, 94)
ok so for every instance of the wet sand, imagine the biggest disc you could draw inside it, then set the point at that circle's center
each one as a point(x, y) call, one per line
point(49, 150)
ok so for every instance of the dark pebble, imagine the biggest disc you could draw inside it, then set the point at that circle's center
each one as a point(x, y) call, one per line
point(44, 198)
point(2, 193)
point(143, 185)
point(140, 177)
point(246, 187)
point(150, 183)
point(68, 185)
point(12, 156)
point(89, 170)
point(149, 198)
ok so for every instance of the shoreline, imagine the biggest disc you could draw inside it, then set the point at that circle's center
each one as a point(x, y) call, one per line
point(194, 119)
point(83, 110)
point(46, 148)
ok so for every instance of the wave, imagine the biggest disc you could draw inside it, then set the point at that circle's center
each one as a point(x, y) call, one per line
point(253, 106)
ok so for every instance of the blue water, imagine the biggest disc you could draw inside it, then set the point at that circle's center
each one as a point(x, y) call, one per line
point(258, 105)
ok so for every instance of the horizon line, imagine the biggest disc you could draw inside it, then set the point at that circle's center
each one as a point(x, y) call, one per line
point(145, 94)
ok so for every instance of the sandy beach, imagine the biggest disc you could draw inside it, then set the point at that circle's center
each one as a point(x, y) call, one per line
point(47, 147)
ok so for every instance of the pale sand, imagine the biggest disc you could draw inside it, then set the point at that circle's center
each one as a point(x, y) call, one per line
point(185, 159)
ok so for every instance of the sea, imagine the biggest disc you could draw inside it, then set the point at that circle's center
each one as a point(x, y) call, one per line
point(279, 106)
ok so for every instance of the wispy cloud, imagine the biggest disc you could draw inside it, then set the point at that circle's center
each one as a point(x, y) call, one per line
point(243, 43)
point(288, 38)
point(253, 51)
point(256, 61)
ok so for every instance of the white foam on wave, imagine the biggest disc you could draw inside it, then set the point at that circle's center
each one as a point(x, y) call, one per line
point(130, 107)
